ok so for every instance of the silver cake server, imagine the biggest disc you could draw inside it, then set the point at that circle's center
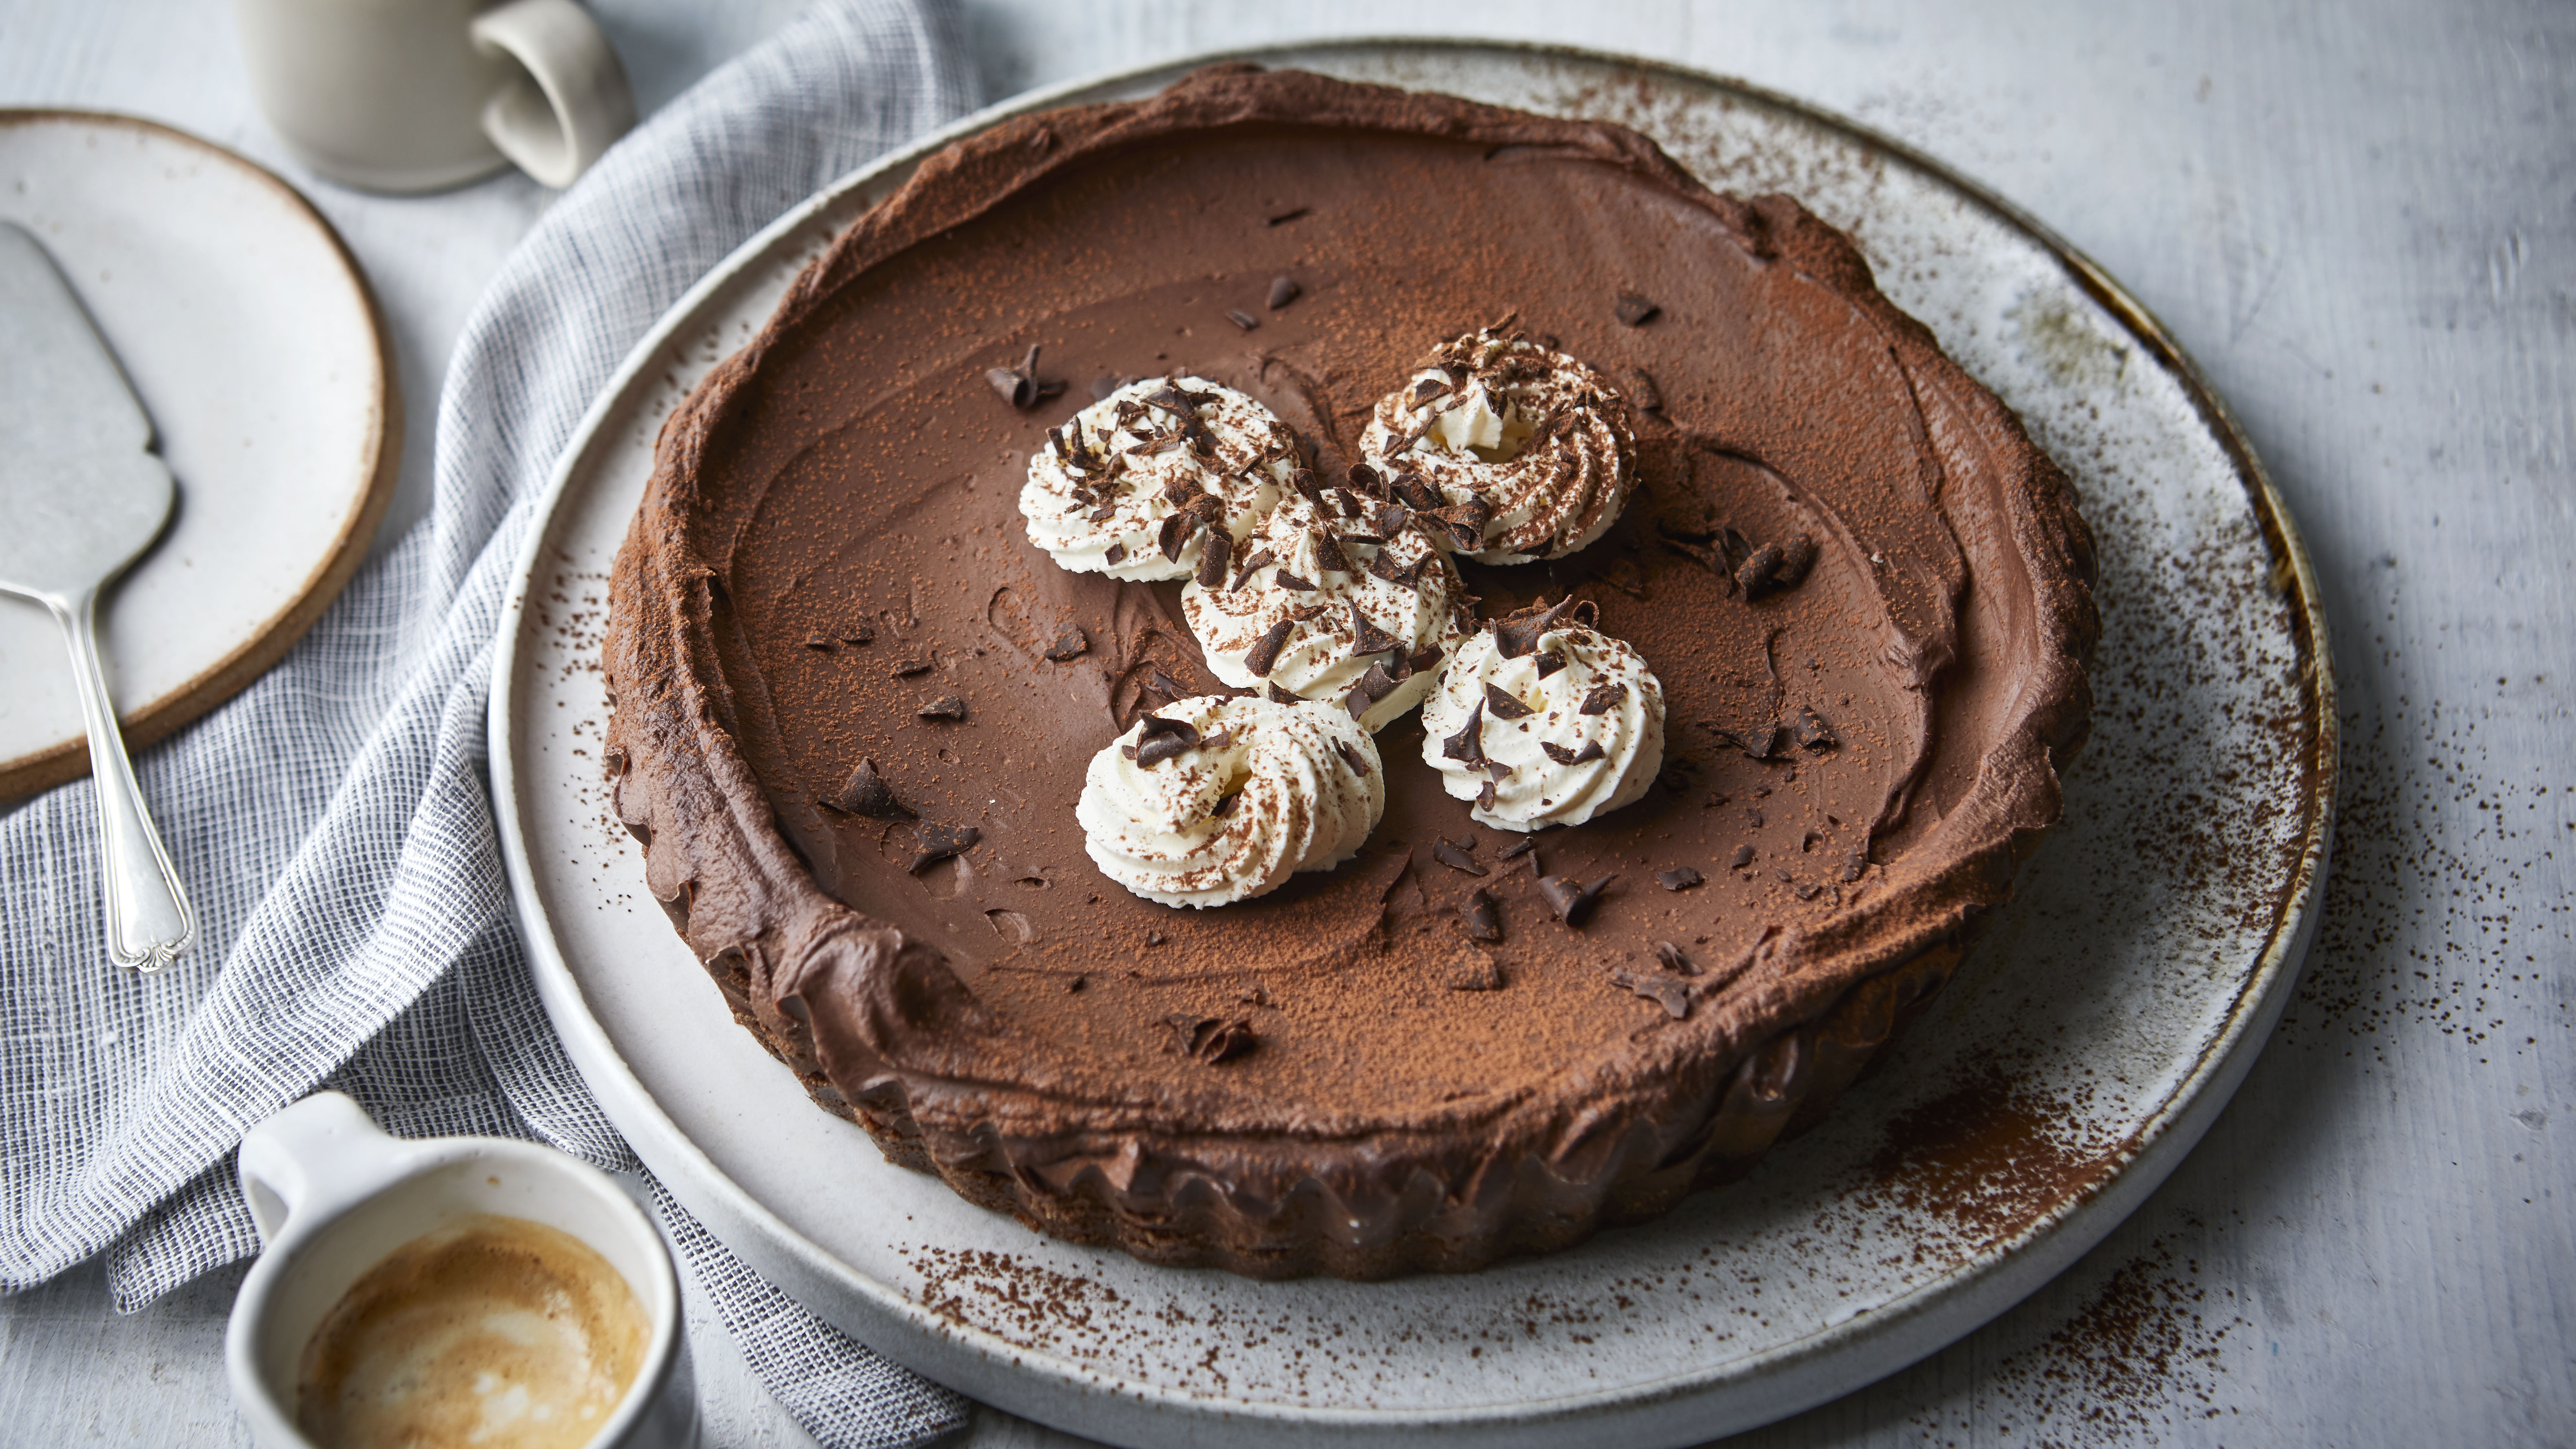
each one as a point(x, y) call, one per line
point(82, 496)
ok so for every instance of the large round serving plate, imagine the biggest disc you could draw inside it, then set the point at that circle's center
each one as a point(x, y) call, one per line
point(2095, 1033)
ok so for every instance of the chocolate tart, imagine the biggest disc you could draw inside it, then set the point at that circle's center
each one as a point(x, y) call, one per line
point(853, 704)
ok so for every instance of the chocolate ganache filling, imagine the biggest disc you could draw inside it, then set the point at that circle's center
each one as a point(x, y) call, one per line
point(854, 703)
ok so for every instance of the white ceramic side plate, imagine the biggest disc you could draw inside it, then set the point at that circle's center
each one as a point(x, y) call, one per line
point(2090, 1040)
point(252, 341)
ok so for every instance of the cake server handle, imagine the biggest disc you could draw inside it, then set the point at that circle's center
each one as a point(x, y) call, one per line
point(148, 918)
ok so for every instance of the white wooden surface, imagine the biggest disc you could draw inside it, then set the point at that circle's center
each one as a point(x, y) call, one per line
point(2361, 218)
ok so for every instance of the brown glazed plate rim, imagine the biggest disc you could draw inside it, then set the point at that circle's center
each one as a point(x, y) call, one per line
point(1791, 1374)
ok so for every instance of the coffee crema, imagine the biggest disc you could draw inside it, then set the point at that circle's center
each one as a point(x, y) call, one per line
point(493, 1330)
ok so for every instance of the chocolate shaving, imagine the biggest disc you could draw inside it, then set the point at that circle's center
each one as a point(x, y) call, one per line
point(1505, 704)
point(1209, 1039)
point(1812, 733)
point(1517, 848)
point(1805, 891)
point(1482, 916)
point(936, 842)
point(1429, 388)
point(906, 668)
point(1213, 556)
point(1517, 633)
point(1642, 390)
point(1352, 757)
point(1375, 685)
point(1159, 739)
point(1282, 218)
point(1636, 311)
point(1454, 857)
point(1364, 478)
point(1599, 698)
point(1329, 558)
point(1674, 959)
point(1426, 657)
point(1570, 899)
point(1292, 583)
point(867, 793)
point(1673, 996)
point(1591, 751)
point(1265, 650)
point(1366, 637)
point(1754, 575)
point(1680, 878)
point(1407, 576)
point(1485, 796)
point(1762, 742)
point(1173, 536)
point(946, 706)
point(817, 641)
point(1742, 858)
point(1224, 806)
point(859, 634)
point(1549, 663)
point(1020, 386)
point(1276, 695)
point(1465, 522)
point(1798, 557)
point(1392, 517)
point(1472, 970)
point(1070, 644)
point(1468, 745)
point(1284, 290)
point(1115, 553)
point(1415, 494)
point(1261, 558)
point(1241, 318)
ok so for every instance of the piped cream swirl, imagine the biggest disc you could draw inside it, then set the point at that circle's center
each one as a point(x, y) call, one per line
point(1530, 452)
point(1321, 606)
point(1134, 485)
point(1542, 720)
point(1215, 800)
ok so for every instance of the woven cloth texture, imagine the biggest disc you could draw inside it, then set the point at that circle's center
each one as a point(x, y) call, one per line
point(334, 823)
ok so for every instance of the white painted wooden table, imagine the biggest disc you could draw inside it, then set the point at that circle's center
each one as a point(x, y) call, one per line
point(2361, 218)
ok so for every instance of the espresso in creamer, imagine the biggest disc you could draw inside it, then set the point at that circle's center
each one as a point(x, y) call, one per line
point(491, 1331)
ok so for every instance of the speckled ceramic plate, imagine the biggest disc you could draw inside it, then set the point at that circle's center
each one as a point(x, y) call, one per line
point(252, 339)
point(2094, 1034)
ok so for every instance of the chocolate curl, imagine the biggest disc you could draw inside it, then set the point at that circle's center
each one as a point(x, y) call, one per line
point(1600, 697)
point(1505, 704)
point(1468, 745)
point(1213, 557)
point(1375, 685)
point(1265, 650)
point(868, 794)
point(1517, 633)
point(935, 842)
point(1482, 916)
point(1591, 751)
point(1366, 637)
point(1159, 739)
point(1571, 900)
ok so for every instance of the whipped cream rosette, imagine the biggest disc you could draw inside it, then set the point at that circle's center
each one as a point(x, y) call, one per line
point(1156, 480)
point(1215, 800)
point(1321, 604)
point(1517, 451)
point(1542, 719)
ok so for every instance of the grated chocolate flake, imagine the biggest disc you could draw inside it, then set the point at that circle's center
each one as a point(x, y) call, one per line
point(1812, 733)
point(1468, 745)
point(859, 634)
point(1209, 1039)
point(1464, 522)
point(1600, 697)
point(1455, 857)
point(1762, 742)
point(1517, 848)
point(1549, 663)
point(1375, 685)
point(818, 642)
point(907, 668)
point(1264, 652)
point(945, 706)
point(1680, 878)
point(1284, 290)
point(1634, 310)
point(1292, 583)
point(1643, 392)
point(1482, 916)
point(1224, 806)
point(1505, 704)
point(1591, 751)
point(867, 793)
point(1115, 553)
point(1415, 494)
point(1159, 739)
point(1276, 695)
point(1673, 996)
point(1352, 757)
point(1571, 899)
point(932, 842)
point(1261, 558)
point(1212, 557)
point(1366, 637)
point(1329, 558)
point(1241, 318)
point(1517, 633)
point(1072, 643)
